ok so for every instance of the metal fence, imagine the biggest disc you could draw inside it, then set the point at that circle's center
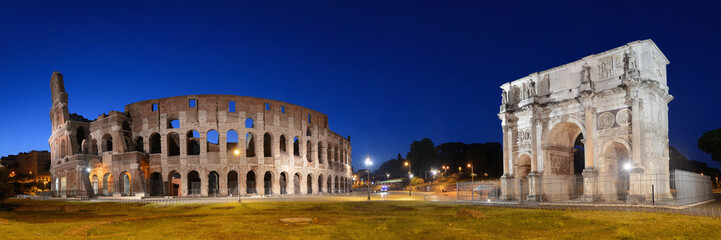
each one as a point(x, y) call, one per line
point(676, 189)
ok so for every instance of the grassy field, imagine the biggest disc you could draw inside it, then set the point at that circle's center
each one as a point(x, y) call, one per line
point(348, 220)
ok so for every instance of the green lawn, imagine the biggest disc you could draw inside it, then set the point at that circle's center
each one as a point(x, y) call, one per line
point(348, 220)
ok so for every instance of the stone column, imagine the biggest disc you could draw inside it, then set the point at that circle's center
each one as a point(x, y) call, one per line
point(303, 185)
point(183, 183)
point(223, 184)
point(203, 182)
point(590, 173)
point(242, 182)
point(136, 180)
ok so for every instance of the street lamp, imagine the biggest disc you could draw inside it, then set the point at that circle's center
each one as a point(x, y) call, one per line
point(410, 174)
point(368, 183)
point(388, 176)
point(471, 166)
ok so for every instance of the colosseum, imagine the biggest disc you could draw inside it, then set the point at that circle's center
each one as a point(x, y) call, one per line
point(196, 145)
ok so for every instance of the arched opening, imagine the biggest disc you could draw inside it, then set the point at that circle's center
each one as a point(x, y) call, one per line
point(63, 147)
point(283, 183)
point(173, 144)
point(174, 184)
point(296, 184)
point(156, 184)
point(173, 123)
point(212, 142)
point(107, 144)
point(296, 147)
point(329, 185)
point(308, 132)
point(155, 143)
point(267, 150)
point(308, 151)
point(193, 183)
point(329, 153)
point(249, 145)
point(108, 184)
point(563, 149)
point(95, 184)
point(249, 123)
point(126, 126)
point(309, 184)
point(80, 136)
point(320, 183)
point(213, 184)
point(193, 142)
point(617, 160)
point(337, 184)
point(139, 144)
point(282, 144)
point(250, 183)
point(233, 183)
point(231, 143)
point(268, 183)
point(125, 184)
point(320, 159)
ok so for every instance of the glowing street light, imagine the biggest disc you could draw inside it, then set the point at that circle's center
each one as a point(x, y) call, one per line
point(627, 167)
point(471, 166)
point(368, 183)
point(388, 176)
point(410, 174)
point(236, 152)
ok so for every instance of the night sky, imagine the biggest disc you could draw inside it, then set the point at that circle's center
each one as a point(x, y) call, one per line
point(385, 72)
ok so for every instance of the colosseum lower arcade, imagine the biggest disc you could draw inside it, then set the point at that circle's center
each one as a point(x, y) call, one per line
point(196, 145)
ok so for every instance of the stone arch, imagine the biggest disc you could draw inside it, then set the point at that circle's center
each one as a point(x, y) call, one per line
point(108, 188)
point(309, 151)
point(283, 182)
point(283, 141)
point(320, 153)
point(212, 142)
point(523, 165)
point(249, 123)
point(232, 183)
point(155, 145)
point(126, 126)
point(336, 185)
point(296, 146)
point(616, 161)
point(173, 123)
point(249, 145)
point(268, 183)
point(559, 148)
point(107, 143)
point(309, 184)
point(320, 183)
point(125, 184)
point(267, 146)
point(63, 148)
point(296, 183)
point(193, 183)
point(139, 144)
point(193, 142)
point(173, 144)
point(94, 182)
point(250, 181)
point(80, 136)
point(231, 142)
point(174, 182)
point(213, 183)
point(156, 184)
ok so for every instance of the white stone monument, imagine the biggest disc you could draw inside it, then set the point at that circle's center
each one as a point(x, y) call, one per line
point(617, 101)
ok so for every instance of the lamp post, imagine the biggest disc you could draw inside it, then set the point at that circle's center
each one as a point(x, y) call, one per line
point(471, 166)
point(410, 174)
point(368, 183)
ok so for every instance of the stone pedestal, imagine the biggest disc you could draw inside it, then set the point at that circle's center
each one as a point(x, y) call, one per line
point(637, 190)
point(506, 187)
point(534, 187)
point(590, 185)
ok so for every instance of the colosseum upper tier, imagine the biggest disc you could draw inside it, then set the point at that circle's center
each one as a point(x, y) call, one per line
point(196, 145)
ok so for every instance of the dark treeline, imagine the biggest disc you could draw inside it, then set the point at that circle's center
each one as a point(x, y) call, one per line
point(424, 155)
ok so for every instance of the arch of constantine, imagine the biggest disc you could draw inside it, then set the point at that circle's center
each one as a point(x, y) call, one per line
point(603, 118)
point(196, 145)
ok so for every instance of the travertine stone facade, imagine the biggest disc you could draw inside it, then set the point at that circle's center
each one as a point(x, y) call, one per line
point(196, 145)
point(618, 100)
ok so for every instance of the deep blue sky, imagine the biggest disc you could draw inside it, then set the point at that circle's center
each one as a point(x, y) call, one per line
point(385, 72)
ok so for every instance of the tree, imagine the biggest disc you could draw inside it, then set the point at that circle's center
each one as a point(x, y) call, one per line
point(710, 142)
point(423, 155)
point(416, 181)
point(6, 187)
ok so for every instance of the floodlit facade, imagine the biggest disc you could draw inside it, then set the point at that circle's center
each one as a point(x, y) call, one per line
point(196, 145)
point(614, 104)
